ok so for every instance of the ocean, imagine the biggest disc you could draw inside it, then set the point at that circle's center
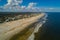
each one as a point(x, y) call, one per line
point(51, 29)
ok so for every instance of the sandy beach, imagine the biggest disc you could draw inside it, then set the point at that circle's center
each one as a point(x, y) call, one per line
point(9, 29)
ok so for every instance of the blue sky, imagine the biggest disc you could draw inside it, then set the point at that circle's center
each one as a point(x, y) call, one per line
point(50, 3)
point(40, 3)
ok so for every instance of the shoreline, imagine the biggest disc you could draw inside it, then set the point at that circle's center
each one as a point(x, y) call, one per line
point(16, 27)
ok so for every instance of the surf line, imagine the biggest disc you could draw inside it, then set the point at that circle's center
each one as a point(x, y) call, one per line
point(38, 25)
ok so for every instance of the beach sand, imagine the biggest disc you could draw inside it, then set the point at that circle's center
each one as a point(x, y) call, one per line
point(9, 29)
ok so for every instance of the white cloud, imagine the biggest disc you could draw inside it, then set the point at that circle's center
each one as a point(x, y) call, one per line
point(14, 6)
point(23, 7)
point(9, 2)
point(51, 8)
point(14, 2)
point(30, 5)
point(48, 8)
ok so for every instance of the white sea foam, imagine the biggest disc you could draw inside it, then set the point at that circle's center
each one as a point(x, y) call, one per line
point(37, 27)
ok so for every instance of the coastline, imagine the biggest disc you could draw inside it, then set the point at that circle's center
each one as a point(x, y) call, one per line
point(13, 28)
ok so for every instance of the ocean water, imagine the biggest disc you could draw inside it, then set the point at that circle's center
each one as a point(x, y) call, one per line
point(51, 29)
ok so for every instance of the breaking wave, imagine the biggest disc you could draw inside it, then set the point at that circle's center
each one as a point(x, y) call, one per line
point(38, 25)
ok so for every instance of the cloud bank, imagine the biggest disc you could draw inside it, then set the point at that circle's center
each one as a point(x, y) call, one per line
point(14, 6)
point(13, 2)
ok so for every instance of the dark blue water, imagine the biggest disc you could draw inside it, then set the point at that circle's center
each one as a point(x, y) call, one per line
point(51, 29)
